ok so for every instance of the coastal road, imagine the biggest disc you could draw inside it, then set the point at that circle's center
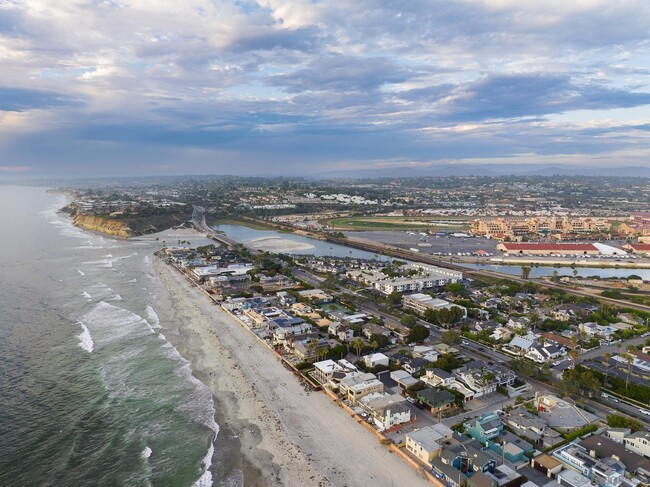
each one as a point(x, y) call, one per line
point(198, 219)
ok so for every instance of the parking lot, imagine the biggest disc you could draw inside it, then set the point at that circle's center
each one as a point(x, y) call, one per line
point(429, 244)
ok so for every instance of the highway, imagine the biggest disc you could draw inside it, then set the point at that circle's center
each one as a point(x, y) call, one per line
point(198, 219)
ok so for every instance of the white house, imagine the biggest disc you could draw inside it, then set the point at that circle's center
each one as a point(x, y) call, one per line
point(375, 359)
point(356, 385)
point(387, 410)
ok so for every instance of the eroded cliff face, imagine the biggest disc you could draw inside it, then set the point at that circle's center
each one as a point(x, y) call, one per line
point(103, 225)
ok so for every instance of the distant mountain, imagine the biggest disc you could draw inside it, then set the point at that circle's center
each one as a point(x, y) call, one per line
point(446, 170)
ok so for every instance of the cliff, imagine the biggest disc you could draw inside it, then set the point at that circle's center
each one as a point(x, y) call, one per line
point(108, 226)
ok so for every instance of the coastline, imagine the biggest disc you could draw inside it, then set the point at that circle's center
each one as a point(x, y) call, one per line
point(288, 435)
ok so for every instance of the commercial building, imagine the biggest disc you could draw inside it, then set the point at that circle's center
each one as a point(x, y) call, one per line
point(548, 249)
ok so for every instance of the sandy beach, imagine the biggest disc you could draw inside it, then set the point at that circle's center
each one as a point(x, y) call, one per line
point(288, 436)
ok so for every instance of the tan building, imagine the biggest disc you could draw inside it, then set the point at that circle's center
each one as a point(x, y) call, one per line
point(516, 227)
point(426, 443)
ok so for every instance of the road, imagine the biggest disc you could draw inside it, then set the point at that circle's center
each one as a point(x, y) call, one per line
point(198, 219)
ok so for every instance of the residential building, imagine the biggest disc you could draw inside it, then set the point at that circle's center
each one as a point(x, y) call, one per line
point(374, 359)
point(561, 414)
point(316, 296)
point(546, 464)
point(571, 478)
point(420, 303)
point(356, 385)
point(482, 378)
point(403, 378)
point(426, 443)
point(435, 399)
point(328, 371)
point(486, 427)
point(601, 447)
point(386, 410)
point(577, 457)
point(438, 377)
point(638, 442)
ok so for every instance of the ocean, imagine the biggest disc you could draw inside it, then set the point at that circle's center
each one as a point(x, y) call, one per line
point(91, 390)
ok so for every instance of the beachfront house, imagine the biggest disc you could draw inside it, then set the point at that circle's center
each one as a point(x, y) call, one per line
point(426, 443)
point(386, 410)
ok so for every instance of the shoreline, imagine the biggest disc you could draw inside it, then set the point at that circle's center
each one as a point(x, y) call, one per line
point(289, 435)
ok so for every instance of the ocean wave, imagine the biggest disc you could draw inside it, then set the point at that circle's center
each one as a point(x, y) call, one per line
point(109, 323)
point(196, 402)
point(146, 453)
point(81, 272)
point(205, 480)
point(86, 295)
point(85, 339)
point(152, 317)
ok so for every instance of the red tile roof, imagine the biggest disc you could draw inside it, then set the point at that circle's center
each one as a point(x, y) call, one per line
point(641, 247)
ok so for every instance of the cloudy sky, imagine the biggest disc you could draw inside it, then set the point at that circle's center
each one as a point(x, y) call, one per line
point(138, 87)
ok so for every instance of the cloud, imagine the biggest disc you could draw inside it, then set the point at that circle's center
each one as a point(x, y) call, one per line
point(521, 95)
point(299, 85)
point(19, 99)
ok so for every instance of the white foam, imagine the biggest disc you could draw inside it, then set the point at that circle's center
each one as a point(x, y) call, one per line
point(85, 339)
point(81, 272)
point(146, 453)
point(195, 403)
point(205, 480)
point(87, 296)
point(109, 323)
point(152, 317)
point(116, 297)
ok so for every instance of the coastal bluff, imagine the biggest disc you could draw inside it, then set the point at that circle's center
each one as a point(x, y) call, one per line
point(100, 224)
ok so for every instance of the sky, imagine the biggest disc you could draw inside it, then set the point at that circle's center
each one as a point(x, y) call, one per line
point(307, 87)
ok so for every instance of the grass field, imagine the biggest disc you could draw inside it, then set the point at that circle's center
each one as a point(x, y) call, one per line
point(399, 223)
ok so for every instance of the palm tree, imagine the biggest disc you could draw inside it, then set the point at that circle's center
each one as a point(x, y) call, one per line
point(583, 336)
point(573, 355)
point(357, 344)
point(629, 358)
point(555, 274)
point(542, 340)
point(374, 345)
point(608, 357)
point(311, 348)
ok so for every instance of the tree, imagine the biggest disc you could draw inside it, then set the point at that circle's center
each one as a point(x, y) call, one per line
point(357, 344)
point(456, 288)
point(525, 272)
point(409, 320)
point(418, 334)
point(573, 355)
point(374, 344)
point(629, 359)
point(451, 337)
point(618, 421)
point(579, 381)
point(608, 357)
point(311, 347)
point(394, 298)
